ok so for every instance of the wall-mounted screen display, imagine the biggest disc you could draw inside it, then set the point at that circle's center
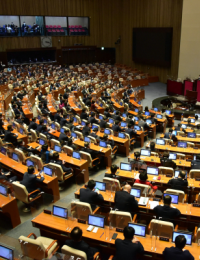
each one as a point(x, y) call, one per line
point(56, 25)
point(32, 25)
point(9, 25)
point(78, 25)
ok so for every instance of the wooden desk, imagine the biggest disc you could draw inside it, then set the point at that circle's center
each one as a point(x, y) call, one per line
point(9, 209)
point(188, 150)
point(27, 112)
point(186, 139)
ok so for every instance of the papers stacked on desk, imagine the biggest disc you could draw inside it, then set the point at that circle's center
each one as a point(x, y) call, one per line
point(143, 201)
point(153, 204)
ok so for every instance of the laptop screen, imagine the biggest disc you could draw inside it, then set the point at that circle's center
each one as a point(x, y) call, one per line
point(3, 150)
point(83, 123)
point(100, 117)
point(136, 127)
point(41, 141)
point(147, 113)
point(114, 111)
point(136, 110)
point(111, 121)
point(75, 120)
point(168, 112)
point(107, 131)
point(15, 157)
point(94, 126)
point(96, 221)
point(123, 124)
point(57, 148)
point(176, 174)
point(172, 156)
point(183, 126)
point(155, 109)
point(192, 120)
point(103, 144)
point(145, 152)
point(121, 104)
point(21, 130)
point(62, 130)
point(122, 135)
point(140, 230)
point(174, 133)
point(125, 166)
point(30, 163)
point(136, 192)
point(45, 121)
point(191, 135)
point(160, 141)
point(3, 190)
point(48, 171)
point(136, 118)
point(152, 170)
point(53, 126)
point(188, 236)
point(159, 116)
point(87, 139)
point(173, 196)
point(182, 144)
point(148, 121)
point(59, 211)
point(100, 185)
point(76, 155)
point(73, 134)
point(6, 253)
point(124, 115)
point(139, 102)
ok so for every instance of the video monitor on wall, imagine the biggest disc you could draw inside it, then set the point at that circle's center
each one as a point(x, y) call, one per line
point(78, 25)
point(9, 25)
point(56, 25)
point(32, 25)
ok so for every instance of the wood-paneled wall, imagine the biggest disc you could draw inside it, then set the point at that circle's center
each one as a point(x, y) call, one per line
point(109, 19)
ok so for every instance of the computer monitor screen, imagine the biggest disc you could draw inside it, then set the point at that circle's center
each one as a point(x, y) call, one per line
point(121, 104)
point(121, 135)
point(39, 117)
point(111, 121)
point(191, 135)
point(124, 115)
point(87, 139)
point(139, 102)
point(152, 170)
point(168, 112)
point(125, 166)
point(94, 126)
point(176, 173)
point(100, 185)
point(101, 105)
point(136, 192)
point(57, 148)
point(174, 133)
point(3, 150)
point(53, 126)
point(197, 115)
point(83, 123)
point(73, 134)
point(3, 190)
point(145, 152)
point(75, 120)
point(21, 130)
point(159, 116)
point(62, 130)
point(173, 196)
point(136, 110)
point(41, 141)
point(147, 113)
point(103, 144)
point(29, 163)
point(48, 171)
point(15, 157)
point(192, 120)
point(140, 230)
point(182, 144)
point(59, 211)
point(183, 126)
point(136, 118)
point(136, 127)
point(107, 131)
point(123, 124)
point(148, 121)
point(114, 111)
point(160, 141)
point(76, 155)
point(45, 121)
point(101, 117)
point(172, 156)
point(13, 124)
point(155, 109)
point(187, 235)
point(97, 221)
point(6, 253)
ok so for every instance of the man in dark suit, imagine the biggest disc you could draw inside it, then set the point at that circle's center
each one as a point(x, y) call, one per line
point(124, 201)
point(84, 115)
point(43, 110)
point(166, 162)
point(92, 119)
point(103, 123)
point(93, 134)
point(63, 120)
point(5, 175)
point(86, 129)
point(77, 243)
point(63, 138)
point(166, 212)
point(117, 116)
point(39, 127)
point(70, 124)
point(129, 247)
point(130, 120)
point(105, 139)
point(178, 128)
point(179, 184)
point(88, 101)
point(195, 164)
point(130, 131)
point(94, 154)
point(16, 110)
point(56, 160)
point(169, 134)
point(106, 112)
point(33, 125)
point(116, 127)
point(88, 195)
point(9, 136)
point(178, 252)
point(57, 116)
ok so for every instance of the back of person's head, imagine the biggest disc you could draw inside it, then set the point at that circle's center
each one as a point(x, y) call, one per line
point(170, 130)
point(95, 129)
point(87, 123)
point(198, 156)
point(146, 108)
point(33, 119)
point(196, 117)
point(66, 131)
point(117, 112)
point(69, 142)
point(86, 144)
point(113, 168)
point(167, 200)
point(19, 142)
point(165, 155)
point(129, 125)
point(143, 176)
point(179, 124)
point(76, 234)
point(92, 114)
point(44, 128)
point(45, 147)
point(152, 146)
point(116, 122)
point(105, 137)
point(129, 232)
point(41, 121)
point(84, 110)
point(91, 184)
point(31, 169)
point(189, 121)
point(180, 241)
point(58, 111)
point(56, 156)
point(182, 174)
point(9, 128)
point(65, 115)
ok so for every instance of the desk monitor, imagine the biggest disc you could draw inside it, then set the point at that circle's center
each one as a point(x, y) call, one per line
point(182, 144)
point(59, 211)
point(159, 116)
point(173, 196)
point(145, 152)
point(95, 220)
point(114, 111)
point(45, 121)
point(139, 102)
point(197, 115)
point(48, 171)
point(152, 170)
point(75, 120)
point(21, 130)
point(136, 110)
point(148, 121)
point(13, 124)
point(192, 120)
point(87, 139)
point(137, 128)
point(100, 117)
point(107, 131)
point(3, 190)
point(39, 117)
point(155, 109)
point(3, 150)
point(100, 185)
point(6, 252)
point(160, 141)
point(183, 126)
point(62, 130)
point(172, 156)
point(79, 106)
point(53, 126)
point(111, 121)
point(83, 123)
point(187, 235)
point(123, 124)
point(15, 157)
point(191, 135)
point(124, 115)
point(140, 229)
point(136, 118)
point(103, 144)
point(73, 134)
point(57, 148)
point(136, 192)
point(177, 172)
point(168, 112)
point(29, 162)
point(121, 135)
point(41, 141)
point(195, 157)
point(147, 113)
point(125, 166)
point(101, 105)
point(121, 104)
point(94, 126)
point(174, 133)
point(76, 155)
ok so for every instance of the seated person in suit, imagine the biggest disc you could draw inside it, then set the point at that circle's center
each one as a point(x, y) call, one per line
point(169, 134)
point(43, 110)
point(94, 154)
point(105, 139)
point(146, 109)
point(93, 134)
point(117, 116)
point(178, 252)
point(63, 120)
point(5, 175)
point(152, 146)
point(57, 116)
point(84, 115)
point(18, 119)
point(70, 124)
point(9, 136)
point(63, 138)
point(56, 160)
point(45, 154)
point(143, 180)
point(178, 128)
point(103, 123)
point(106, 112)
point(92, 119)
point(86, 129)
point(33, 125)
point(124, 201)
point(130, 120)
point(116, 127)
point(179, 184)
point(89, 195)
point(165, 212)
point(128, 248)
point(113, 170)
point(195, 164)
point(76, 242)
point(130, 131)
point(166, 162)
point(39, 127)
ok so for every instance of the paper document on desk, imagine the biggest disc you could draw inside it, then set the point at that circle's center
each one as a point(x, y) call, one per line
point(143, 201)
point(79, 126)
point(137, 176)
point(153, 204)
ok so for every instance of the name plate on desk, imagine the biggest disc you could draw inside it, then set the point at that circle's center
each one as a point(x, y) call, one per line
point(156, 199)
point(196, 148)
point(166, 239)
point(197, 179)
point(196, 205)
point(168, 175)
point(119, 229)
point(81, 221)
point(47, 211)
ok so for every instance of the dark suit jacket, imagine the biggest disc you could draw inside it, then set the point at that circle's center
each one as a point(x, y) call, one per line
point(91, 197)
point(107, 114)
point(30, 181)
point(125, 249)
point(166, 212)
point(176, 253)
point(178, 184)
point(57, 117)
point(33, 126)
point(167, 135)
point(95, 136)
point(103, 124)
point(195, 164)
point(91, 152)
point(10, 137)
point(86, 130)
point(117, 117)
point(81, 245)
point(59, 162)
point(62, 138)
point(84, 115)
point(125, 202)
point(93, 120)
point(116, 128)
point(168, 163)
point(63, 121)
point(130, 131)
point(39, 128)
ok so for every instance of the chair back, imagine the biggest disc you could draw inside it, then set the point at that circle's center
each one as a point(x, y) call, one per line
point(119, 219)
point(33, 135)
point(197, 235)
point(42, 136)
point(190, 144)
point(57, 170)
point(80, 210)
point(79, 134)
point(145, 189)
point(21, 155)
point(57, 125)
point(161, 228)
point(20, 192)
point(181, 156)
point(54, 142)
point(87, 157)
point(166, 170)
point(32, 248)
point(112, 184)
point(78, 119)
point(38, 161)
point(176, 192)
point(72, 253)
point(93, 140)
point(194, 174)
point(68, 150)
